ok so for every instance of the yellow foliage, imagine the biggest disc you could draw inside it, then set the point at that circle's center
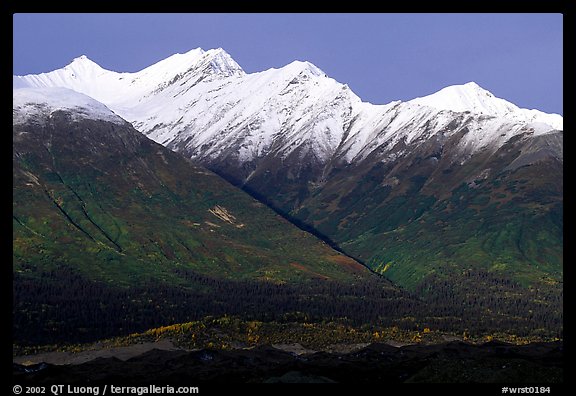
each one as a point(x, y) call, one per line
point(253, 338)
point(254, 325)
point(417, 337)
point(426, 330)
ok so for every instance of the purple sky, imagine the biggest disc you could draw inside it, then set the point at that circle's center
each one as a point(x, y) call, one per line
point(382, 57)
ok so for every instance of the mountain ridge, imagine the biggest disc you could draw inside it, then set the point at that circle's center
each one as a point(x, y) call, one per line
point(441, 202)
point(191, 57)
point(290, 135)
point(249, 107)
point(63, 121)
point(113, 232)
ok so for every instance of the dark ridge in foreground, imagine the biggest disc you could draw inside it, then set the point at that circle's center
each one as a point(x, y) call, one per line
point(454, 362)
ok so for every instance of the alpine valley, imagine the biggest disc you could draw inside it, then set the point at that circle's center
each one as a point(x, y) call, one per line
point(192, 189)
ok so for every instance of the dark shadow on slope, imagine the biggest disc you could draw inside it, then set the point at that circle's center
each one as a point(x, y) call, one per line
point(297, 222)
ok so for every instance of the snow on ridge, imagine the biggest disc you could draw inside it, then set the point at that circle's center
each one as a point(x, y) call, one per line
point(303, 66)
point(467, 97)
point(477, 100)
point(177, 60)
point(31, 102)
point(223, 63)
point(536, 116)
point(202, 102)
point(83, 63)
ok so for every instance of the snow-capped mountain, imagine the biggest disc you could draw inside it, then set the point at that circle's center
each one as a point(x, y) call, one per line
point(203, 104)
point(455, 180)
point(117, 213)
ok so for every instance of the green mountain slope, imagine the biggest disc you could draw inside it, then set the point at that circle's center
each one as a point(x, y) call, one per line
point(476, 235)
point(104, 199)
point(434, 211)
point(113, 233)
point(499, 212)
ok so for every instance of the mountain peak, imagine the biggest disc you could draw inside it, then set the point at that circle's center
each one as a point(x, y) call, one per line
point(84, 63)
point(214, 61)
point(477, 100)
point(80, 58)
point(472, 85)
point(467, 97)
point(222, 63)
point(472, 88)
point(304, 66)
